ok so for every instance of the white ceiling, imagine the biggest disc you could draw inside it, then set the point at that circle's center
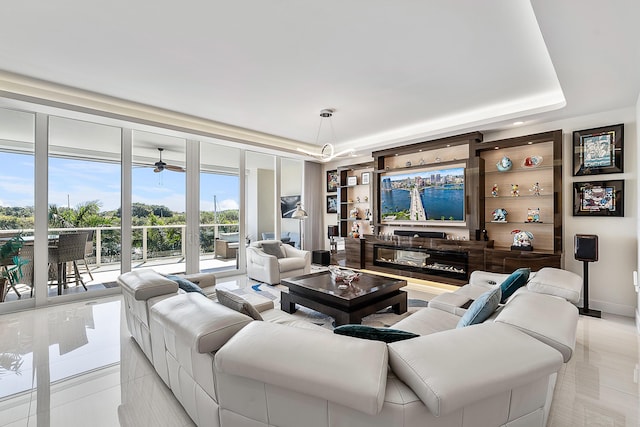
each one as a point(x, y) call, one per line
point(394, 71)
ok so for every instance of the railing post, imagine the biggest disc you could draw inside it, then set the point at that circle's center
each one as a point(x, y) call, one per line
point(144, 243)
point(183, 232)
point(98, 247)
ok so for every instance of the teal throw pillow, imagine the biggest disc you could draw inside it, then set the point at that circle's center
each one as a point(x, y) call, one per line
point(481, 308)
point(186, 285)
point(371, 333)
point(516, 280)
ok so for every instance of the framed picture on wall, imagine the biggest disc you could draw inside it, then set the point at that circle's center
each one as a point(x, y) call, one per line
point(365, 177)
point(332, 181)
point(598, 151)
point(332, 204)
point(598, 198)
point(352, 180)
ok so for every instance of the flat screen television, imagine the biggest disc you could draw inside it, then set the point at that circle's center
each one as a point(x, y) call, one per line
point(288, 205)
point(427, 195)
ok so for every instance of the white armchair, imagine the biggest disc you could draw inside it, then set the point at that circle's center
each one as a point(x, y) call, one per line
point(270, 269)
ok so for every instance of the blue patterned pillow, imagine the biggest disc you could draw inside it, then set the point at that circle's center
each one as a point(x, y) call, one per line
point(481, 308)
point(516, 280)
point(185, 284)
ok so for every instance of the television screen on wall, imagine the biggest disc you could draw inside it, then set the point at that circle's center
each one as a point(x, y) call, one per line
point(288, 205)
point(427, 195)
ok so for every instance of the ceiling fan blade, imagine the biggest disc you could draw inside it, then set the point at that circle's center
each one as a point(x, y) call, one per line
point(157, 169)
point(175, 168)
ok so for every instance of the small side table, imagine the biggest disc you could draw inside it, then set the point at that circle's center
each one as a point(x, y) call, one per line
point(321, 257)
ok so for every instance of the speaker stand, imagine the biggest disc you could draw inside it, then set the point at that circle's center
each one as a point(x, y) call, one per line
point(585, 310)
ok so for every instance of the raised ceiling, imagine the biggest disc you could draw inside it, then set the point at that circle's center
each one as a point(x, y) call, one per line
point(394, 71)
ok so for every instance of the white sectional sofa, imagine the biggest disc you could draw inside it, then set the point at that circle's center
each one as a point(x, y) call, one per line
point(228, 370)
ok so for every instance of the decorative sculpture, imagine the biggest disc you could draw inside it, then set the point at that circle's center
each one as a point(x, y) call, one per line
point(535, 189)
point(514, 190)
point(504, 164)
point(494, 190)
point(522, 240)
point(500, 215)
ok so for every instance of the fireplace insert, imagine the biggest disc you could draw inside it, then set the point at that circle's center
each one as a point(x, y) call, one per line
point(452, 264)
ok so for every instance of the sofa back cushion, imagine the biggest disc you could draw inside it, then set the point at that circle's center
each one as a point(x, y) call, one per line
point(230, 237)
point(557, 282)
point(481, 308)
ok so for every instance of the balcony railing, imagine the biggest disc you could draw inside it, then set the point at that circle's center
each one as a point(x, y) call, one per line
point(149, 241)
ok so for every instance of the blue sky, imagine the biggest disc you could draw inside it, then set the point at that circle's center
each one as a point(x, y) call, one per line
point(424, 174)
point(79, 181)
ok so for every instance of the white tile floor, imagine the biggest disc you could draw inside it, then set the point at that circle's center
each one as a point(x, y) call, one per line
point(76, 365)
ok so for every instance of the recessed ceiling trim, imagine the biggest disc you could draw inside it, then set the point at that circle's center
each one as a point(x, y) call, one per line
point(465, 121)
point(37, 91)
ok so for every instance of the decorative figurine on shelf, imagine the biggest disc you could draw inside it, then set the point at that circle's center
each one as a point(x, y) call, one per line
point(353, 213)
point(494, 190)
point(355, 230)
point(366, 199)
point(522, 240)
point(408, 164)
point(533, 215)
point(358, 199)
point(500, 215)
point(535, 189)
point(367, 214)
point(514, 190)
point(485, 235)
point(504, 164)
point(421, 162)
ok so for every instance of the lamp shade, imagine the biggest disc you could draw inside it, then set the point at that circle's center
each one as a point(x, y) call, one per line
point(299, 213)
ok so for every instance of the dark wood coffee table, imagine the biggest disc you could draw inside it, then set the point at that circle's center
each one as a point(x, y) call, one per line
point(365, 296)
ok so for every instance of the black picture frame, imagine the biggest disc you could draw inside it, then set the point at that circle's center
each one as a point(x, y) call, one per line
point(598, 150)
point(333, 181)
point(598, 198)
point(332, 204)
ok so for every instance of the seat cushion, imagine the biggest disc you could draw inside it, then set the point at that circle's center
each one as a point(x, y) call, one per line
point(288, 264)
point(482, 308)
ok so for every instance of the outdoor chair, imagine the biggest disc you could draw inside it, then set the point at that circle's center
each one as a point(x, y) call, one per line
point(88, 251)
point(70, 248)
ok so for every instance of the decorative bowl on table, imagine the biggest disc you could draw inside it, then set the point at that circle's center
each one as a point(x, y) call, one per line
point(342, 275)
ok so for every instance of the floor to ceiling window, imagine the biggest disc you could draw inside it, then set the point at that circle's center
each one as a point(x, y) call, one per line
point(17, 138)
point(291, 193)
point(62, 186)
point(158, 196)
point(261, 196)
point(220, 239)
point(84, 206)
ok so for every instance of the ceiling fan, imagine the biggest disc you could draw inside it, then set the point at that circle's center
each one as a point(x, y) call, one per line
point(160, 165)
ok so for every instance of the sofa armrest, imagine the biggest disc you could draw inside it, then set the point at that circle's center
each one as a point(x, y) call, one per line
point(259, 257)
point(146, 283)
point(456, 368)
point(344, 370)
point(297, 253)
point(486, 278)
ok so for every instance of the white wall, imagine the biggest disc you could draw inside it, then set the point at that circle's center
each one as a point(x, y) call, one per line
point(611, 278)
